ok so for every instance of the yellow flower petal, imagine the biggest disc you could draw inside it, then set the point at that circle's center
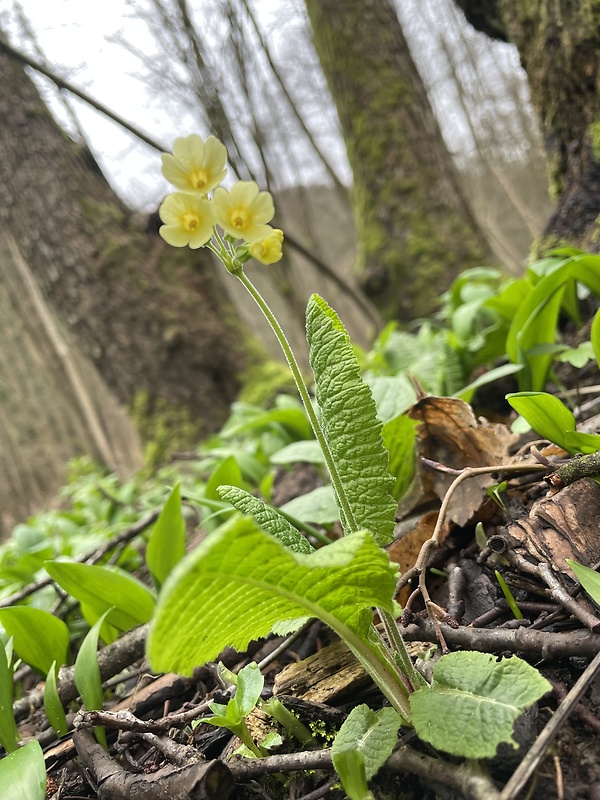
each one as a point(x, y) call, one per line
point(189, 219)
point(196, 165)
point(269, 250)
point(244, 212)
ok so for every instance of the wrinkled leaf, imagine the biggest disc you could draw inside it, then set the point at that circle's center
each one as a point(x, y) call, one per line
point(473, 702)
point(267, 518)
point(166, 545)
point(104, 587)
point(240, 581)
point(23, 774)
point(351, 426)
point(39, 638)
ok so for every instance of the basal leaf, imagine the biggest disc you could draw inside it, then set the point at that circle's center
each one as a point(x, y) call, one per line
point(39, 638)
point(266, 517)
point(166, 545)
point(104, 587)
point(240, 581)
point(373, 736)
point(350, 423)
point(52, 703)
point(9, 736)
point(87, 674)
point(23, 774)
point(546, 414)
point(588, 578)
point(473, 701)
point(318, 506)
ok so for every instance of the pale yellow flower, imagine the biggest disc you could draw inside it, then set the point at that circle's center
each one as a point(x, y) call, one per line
point(195, 166)
point(189, 219)
point(268, 250)
point(244, 212)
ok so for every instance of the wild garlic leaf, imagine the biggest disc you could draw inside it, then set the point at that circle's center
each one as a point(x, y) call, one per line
point(166, 545)
point(350, 424)
point(53, 705)
point(266, 517)
point(361, 747)
point(23, 774)
point(9, 736)
point(473, 701)
point(240, 581)
point(39, 638)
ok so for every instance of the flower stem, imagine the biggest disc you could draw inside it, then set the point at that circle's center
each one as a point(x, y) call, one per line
point(345, 507)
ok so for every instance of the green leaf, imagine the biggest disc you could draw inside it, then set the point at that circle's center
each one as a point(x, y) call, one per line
point(87, 674)
point(39, 638)
point(23, 774)
point(350, 424)
point(318, 506)
point(399, 435)
point(577, 442)
point(166, 545)
point(595, 337)
point(267, 518)
point(393, 395)
point(104, 587)
point(466, 393)
point(249, 687)
point(307, 452)
point(240, 581)
point(363, 744)
point(52, 704)
point(9, 735)
point(473, 701)
point(588, 578)
point(546, 414)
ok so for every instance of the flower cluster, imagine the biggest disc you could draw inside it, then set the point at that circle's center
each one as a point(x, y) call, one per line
point(190, 215)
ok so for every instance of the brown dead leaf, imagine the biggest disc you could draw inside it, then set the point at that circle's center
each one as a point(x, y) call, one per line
point(450, 434)
point(405, 551)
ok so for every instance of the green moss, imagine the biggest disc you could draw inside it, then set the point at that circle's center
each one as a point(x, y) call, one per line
point(102, 215)
point(164, 428)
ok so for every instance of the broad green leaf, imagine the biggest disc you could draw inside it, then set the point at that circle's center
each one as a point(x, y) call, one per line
point(362, 746)
point(39, 638)
point(595, 337)
point(393, 395)
point(23, 774)
point(249, 687)
point(586, 443)
point(546, 414)
point(166, 545)
point(318, 506)
point(350, 424)
point(240, 581)
point(399, 436)
point(308, 452)
point(87, 674)
point(588, 578)
point(52, 704)
point(473, 701)
point(267, 518)
point(104, 587)
point(577, 356)
point(8, 729)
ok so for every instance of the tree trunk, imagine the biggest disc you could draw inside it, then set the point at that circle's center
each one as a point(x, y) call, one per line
point(415, 230)
point(559, 46)
point(153, 320)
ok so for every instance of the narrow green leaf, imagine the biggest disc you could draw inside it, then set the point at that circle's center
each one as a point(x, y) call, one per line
point(588, 578)
point(104, 587)
point(595, 337)
point(266, 517)
point(39, 638)
point(87, 674)
point(52, 704)
point(318, 506)
point(9, 735)
point(473, 701)
point(546, 414)
point(399, 435)
point(166, 545)
point(373, 736)
point(240, 581)
point(350, 767)
point(350, 424)
point(23, 774)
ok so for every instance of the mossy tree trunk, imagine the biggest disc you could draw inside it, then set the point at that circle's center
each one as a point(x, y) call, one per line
point(152, 319)
point(559, 47)
point(415, 230)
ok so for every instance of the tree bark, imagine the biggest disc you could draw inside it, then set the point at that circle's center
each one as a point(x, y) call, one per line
point(415, 230)
point(153, 320)
point(559, 46)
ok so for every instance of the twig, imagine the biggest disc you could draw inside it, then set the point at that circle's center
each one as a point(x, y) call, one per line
point(541, 744)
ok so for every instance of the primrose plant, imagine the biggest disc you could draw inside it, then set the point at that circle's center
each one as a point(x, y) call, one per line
point(257, 573)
